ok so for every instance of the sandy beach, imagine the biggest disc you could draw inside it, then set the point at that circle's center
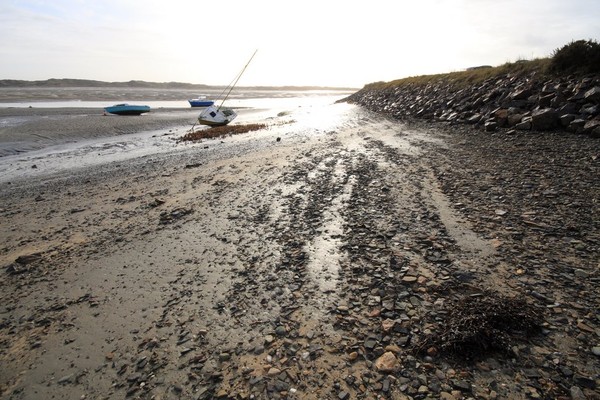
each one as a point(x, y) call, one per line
point(309, 260)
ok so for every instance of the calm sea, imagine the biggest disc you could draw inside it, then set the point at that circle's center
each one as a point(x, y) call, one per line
point(159, 98)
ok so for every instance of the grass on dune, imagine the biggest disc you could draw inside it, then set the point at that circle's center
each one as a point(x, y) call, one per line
point(462, 79)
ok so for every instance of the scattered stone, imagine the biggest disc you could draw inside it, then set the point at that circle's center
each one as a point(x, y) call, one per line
point(269, 339)
point(387, 324)
point(370, 343)
point(461, 385)
point(586, 328)
point(577, 394)
point(66, 379)
point(343, 395)
point(280, 331)
point(28, 259)
point(387, 362)
point(585, 382)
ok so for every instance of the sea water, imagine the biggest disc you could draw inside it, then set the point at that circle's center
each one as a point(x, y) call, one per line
point(157, 98)
point(293, 112)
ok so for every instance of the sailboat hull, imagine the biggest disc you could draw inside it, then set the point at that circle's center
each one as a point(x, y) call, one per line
point(213, 116)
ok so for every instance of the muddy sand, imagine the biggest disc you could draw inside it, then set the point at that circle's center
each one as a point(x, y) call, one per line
point(28, 129)
point(329, 256)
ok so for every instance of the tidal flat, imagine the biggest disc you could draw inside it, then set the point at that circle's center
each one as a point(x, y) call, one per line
point(314, 259)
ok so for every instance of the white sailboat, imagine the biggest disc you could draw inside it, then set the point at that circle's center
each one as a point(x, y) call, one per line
point(219, 115)
point(216, 116)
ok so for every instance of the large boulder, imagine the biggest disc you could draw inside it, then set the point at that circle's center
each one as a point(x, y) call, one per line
point(566, 119)
point(589, 109)
point(544, 119)
point(515, 118)
point(593, 95)
point(501, 117)
point(576, 126)
point(591, 125)
point(521, 94)
point(546, 101)
point(490, 126)
point(549, 88)
point(524, 125)
point(474, 119)
point(569, 108)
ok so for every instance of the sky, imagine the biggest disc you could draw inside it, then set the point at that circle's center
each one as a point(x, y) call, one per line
point(340, 43)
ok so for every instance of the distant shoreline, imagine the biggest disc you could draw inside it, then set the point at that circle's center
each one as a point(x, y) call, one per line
point(80, 83)
point(20, 94)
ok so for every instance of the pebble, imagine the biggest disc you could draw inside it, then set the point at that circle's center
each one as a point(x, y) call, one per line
point(269, 339)
point(577, 393)
point(387, 362)
point(387, 324)
point(370, 343)
point(280, 331)
point(461, 385)
point(259, 349)
point(66, 379)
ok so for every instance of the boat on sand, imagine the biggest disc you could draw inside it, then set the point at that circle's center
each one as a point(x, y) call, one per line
point(127, 109)
point(219, 116)
point(201, 102)
point(215, 116)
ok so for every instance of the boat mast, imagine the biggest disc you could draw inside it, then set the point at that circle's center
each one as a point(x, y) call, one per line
point(236, 80)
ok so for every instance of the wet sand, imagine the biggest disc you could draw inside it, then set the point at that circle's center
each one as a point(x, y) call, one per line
point(286, 263)
point(27, 129)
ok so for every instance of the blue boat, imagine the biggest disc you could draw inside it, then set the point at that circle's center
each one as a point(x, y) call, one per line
point(127, 109)
point(201, 102)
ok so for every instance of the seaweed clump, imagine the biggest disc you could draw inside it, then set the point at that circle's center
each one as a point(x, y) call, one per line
point(478, 325)
point(221, 131)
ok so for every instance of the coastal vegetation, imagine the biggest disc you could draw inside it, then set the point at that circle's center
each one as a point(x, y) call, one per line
point(578, 57)
point(581, 56)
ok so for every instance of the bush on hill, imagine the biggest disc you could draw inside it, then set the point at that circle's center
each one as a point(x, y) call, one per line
point(581, 56)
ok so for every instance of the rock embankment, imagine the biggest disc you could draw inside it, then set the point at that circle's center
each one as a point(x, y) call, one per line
point(527, 101)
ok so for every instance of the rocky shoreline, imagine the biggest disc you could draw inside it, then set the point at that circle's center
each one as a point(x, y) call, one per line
point(523, 102)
